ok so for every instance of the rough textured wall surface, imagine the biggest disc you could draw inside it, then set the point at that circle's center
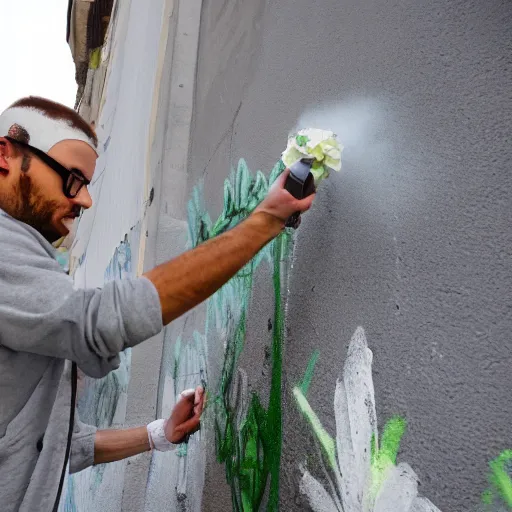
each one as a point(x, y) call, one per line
point(412, 241)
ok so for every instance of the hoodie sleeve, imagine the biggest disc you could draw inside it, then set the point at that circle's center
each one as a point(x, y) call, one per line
point(82, 446)
point(41, 312)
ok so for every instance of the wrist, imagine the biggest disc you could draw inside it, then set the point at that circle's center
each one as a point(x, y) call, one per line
point(156, 436)
point(267, 222)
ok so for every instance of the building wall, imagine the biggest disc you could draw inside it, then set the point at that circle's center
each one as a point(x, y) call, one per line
point(370, 349)
point(121, 97)
point(411, 241)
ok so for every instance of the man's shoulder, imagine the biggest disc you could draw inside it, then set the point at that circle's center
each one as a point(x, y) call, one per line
point(19, 241)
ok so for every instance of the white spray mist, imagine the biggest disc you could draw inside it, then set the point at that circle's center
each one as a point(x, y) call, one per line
point(357, 124)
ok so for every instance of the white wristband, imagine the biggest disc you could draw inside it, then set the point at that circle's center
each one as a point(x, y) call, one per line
point(156, 430)
point(156, 436)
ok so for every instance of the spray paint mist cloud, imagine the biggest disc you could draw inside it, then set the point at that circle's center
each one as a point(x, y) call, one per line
point(359, 126)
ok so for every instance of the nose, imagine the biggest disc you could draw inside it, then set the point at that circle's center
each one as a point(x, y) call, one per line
point(83, 198)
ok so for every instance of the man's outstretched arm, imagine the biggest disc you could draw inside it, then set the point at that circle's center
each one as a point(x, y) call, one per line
point(192, 277)
point(45, 314)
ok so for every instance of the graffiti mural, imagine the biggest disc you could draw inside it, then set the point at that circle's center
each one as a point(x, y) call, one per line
point(182, 470)
point(360, 468)
point(102, 402)
point(248, 434)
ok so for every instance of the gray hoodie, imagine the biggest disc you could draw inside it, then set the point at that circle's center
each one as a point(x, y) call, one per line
point(45, 323)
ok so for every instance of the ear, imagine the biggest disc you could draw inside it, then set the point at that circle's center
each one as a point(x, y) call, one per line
point(6, 152)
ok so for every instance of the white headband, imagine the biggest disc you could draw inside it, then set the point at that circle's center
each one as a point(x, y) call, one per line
point(42, 131)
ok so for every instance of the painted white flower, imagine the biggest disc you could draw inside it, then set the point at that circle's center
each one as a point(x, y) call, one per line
point(366, 478)
point(319, 144)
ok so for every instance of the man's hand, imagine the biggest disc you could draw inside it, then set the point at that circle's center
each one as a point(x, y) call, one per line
point(112, 445)
point(186, 416)
point(280, 203)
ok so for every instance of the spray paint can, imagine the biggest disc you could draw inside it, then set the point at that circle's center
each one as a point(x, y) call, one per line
point(300, 183)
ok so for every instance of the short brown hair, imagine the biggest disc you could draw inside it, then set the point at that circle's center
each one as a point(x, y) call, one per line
point(55, 110)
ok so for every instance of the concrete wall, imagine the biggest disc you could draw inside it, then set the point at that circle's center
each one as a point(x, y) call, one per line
point(411, 241)
point(111, 237)
point(404, 259)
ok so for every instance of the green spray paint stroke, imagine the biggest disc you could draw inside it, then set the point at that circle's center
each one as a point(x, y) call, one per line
point(326, 441)
point(500, 480)
point(308, 376)
point(300, 392)
point(385, 456)
point(248, 436)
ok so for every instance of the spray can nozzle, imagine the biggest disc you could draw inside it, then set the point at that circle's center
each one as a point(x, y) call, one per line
point(300, 183)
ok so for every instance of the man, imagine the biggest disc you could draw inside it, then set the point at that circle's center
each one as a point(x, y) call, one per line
point(47, 327)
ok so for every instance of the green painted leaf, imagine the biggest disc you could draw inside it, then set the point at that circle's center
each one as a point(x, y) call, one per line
point(306, 381)
point(326, 441)
point(242, 184)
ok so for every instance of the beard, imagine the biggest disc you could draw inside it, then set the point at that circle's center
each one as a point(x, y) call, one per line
point(33, 209)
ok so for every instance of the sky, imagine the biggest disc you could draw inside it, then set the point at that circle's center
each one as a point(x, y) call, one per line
point(35, 57)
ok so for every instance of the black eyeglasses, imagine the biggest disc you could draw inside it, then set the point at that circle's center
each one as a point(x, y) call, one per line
point(72, 179)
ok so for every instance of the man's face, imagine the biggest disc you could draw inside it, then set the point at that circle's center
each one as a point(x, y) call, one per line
point(34, 195)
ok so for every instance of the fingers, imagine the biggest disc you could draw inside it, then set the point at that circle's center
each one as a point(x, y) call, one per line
point(190, 426)
point(180, 432)
point(199, 404)
point(187, 393)
point(304, 205)
point(282, 178)
point(192, 395)
point(194, 399)
point(198, 394)
point(186, 416)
